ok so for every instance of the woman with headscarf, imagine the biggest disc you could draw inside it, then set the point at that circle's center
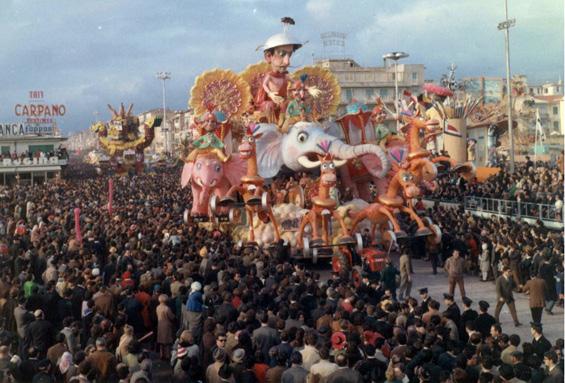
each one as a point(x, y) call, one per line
point(165, 323)
point(195, 307)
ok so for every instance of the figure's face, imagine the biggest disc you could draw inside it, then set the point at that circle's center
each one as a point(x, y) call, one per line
point(327, 173)
point(280, 58)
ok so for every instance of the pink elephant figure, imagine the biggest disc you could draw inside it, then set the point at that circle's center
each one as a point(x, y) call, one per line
point(208, 176)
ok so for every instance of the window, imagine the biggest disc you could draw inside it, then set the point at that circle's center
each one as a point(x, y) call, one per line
point(555, 110)
point(369, 92)
point(348, 94)
point(5, 149)
point(42, 148)
point(544, 90)
point(383, 92)
point(556, 126)
point(414, 76)
point(393, 76)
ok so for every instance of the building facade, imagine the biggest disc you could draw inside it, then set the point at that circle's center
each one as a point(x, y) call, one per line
point(365, 84)
point(30, 158)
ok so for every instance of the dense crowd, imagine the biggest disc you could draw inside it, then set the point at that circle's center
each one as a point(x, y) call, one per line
point(537, 184)
point(142, 286)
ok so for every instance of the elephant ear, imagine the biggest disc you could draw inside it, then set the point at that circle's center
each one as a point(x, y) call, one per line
point(268, 147)
point(186, 174)
point(234, 169)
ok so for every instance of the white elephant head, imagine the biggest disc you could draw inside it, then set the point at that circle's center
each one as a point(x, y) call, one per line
point(298, 150)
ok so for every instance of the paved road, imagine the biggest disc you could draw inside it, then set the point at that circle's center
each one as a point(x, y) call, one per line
point(476, 290)
point(553, 325)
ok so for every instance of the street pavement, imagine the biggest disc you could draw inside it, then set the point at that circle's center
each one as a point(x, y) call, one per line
point(476, 290)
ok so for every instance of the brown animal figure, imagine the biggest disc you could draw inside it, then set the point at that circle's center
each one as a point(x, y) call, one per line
point(381, 212)
point(323, 206)
point(251, 186)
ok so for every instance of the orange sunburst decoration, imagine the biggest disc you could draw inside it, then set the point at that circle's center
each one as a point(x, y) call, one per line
point(326, 104)
point(224, 89)
point(254, 75)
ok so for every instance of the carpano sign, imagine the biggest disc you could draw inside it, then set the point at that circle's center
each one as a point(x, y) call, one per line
point(30, 162)
point(19, 129)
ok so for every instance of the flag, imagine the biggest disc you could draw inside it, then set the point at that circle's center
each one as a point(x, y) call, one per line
point(450, 129)
point(539, 127)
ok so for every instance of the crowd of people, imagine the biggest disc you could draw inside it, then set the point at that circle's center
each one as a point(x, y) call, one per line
point(534, 183)
point(142, 296)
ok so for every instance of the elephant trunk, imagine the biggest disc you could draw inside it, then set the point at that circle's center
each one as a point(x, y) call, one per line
point(204, 197)
point(347, 152)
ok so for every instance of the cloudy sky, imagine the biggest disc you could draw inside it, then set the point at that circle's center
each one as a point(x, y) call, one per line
point(85, 54)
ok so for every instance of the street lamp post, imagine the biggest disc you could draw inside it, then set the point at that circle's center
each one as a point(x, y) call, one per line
point(395, 56)
point(164, 76)
point(506, 25)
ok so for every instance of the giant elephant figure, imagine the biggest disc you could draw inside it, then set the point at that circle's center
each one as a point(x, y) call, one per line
point(209, 176)
point(298, 148)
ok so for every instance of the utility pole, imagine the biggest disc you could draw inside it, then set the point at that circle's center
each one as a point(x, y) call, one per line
point(164, 76)
point(395, 56)
point(506, 25)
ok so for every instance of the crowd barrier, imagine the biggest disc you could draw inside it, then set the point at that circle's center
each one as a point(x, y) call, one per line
point(544, 212)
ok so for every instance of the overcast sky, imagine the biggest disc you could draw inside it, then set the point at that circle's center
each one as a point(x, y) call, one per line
point(87, 53)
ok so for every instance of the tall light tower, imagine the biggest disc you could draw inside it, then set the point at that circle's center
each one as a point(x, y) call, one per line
point(164, 76)
point(395, 56)
point(506, 25)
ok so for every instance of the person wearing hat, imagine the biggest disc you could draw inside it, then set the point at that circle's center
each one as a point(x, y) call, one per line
point(425, 299)
point(468, 315)
point(540, 343)
point(212, 371)
point(238, 363)
point(484, 320)
point(452, 310)
point(504, 286)
point(271, 97)
point(195, 307)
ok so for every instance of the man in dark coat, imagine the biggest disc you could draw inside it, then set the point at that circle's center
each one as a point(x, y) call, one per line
point(468, 315)
point(484, 320)
point(504, 286)
point(452, 311)
point(540, 343)
point(39, 334)
point(388, 277)
point(265, 336)
point(425, 299)
point(547, 273)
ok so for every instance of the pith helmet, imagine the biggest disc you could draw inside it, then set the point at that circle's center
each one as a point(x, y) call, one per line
point(284, 38)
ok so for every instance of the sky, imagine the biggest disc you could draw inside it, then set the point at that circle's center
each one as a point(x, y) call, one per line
point(86, 54)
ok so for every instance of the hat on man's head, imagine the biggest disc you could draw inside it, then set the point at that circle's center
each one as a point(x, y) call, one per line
point(423, 291)
point(484, 305)
point(448, 296)
point(238, 355)
point(467, 301)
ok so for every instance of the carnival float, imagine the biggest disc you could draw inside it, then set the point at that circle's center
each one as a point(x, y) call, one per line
point(124, 139)
point(266, 122)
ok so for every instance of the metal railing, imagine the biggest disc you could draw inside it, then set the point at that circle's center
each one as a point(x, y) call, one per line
point(544, 212)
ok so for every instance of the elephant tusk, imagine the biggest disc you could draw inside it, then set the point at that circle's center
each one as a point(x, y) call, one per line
point(308, 164)
point(339, 163)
